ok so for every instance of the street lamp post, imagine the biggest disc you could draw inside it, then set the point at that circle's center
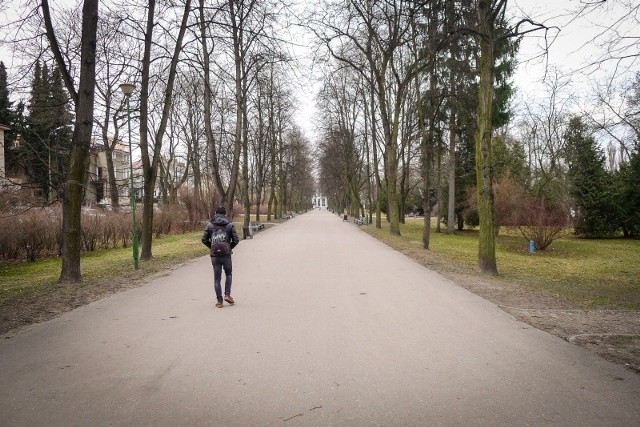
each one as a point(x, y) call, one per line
point(127, 89)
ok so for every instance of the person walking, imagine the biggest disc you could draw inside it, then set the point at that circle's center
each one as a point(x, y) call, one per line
point(220, 237)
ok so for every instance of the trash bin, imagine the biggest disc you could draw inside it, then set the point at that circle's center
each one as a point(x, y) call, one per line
point(247, 232)
point(532, 246)
point(344, 218)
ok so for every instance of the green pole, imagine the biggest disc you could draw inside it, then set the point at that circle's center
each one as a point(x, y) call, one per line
point(132, 195)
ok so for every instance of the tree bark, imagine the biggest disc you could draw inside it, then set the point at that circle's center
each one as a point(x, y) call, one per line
point(451, 205)
point(73, 192)
point(237, 30)
point(484, 178)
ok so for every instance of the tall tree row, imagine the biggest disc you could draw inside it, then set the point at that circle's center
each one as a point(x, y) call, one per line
point(200, 124)
point(419, 61)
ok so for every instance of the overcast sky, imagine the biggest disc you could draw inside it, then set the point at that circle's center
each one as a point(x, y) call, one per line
point(576, 45)
point(571, 50)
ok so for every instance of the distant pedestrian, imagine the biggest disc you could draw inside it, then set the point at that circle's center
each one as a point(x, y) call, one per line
point(220, 237)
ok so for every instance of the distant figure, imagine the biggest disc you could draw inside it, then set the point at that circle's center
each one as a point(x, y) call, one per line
point(220, 237)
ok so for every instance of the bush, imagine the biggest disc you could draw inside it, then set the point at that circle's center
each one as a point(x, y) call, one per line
point(37, 232)
point(92, 229)
point(165, 220)
point(9, 239)
point(541, 224)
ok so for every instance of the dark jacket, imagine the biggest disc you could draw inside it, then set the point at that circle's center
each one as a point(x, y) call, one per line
point(220, 219)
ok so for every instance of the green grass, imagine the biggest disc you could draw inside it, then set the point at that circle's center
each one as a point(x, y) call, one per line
point(26, 279)
point(602, 273)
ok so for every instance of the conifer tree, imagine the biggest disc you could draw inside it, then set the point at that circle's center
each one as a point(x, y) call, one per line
point(590, 185)
point(6, 115)
point(33, 153)
point(48, 134)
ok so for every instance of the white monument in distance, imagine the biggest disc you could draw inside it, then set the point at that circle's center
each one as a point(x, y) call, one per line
point(319, 202)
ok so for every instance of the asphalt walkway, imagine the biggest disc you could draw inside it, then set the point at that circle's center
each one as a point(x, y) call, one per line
point(331, 328)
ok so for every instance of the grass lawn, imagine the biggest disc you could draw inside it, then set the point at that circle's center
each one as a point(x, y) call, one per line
point(602, 273)
point(24, 279)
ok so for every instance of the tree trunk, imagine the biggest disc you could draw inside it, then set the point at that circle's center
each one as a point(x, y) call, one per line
point(114, 195)
point(439, 190)
point(79, 157)
point(451, 205)
point(376, 164)
point(237, 32)
point(487, 247)
point(245, 163)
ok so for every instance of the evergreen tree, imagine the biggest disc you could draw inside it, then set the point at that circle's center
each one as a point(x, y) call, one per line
point(34, 152)
point(464, 54)
point(627, 181)
point(591, 187)
point(6, 115)
point(48, 132)
point(628, 178)
point(60, 129)
point(14, 157)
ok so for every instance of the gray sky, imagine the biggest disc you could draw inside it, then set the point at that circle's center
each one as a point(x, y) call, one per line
point(576, 44)
point(572, 49)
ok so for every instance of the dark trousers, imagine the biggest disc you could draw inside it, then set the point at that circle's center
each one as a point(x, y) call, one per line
point(218, 264)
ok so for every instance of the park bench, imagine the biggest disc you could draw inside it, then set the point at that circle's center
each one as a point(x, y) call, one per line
point(360, 221)
point(248, 231)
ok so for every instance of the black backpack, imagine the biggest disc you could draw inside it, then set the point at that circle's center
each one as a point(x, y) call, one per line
point(220, 241)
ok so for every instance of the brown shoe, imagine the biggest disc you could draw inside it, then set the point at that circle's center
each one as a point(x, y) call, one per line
point(219, 304)
point(228, 299)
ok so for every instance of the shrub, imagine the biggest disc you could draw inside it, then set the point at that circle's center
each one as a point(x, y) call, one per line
point(9, 239)
point(165, 219)
point(541, 224)
point(92, 225)
point(36, 230)
point(123, 229)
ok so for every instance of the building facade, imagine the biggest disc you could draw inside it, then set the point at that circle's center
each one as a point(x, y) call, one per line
point(319, 202)
point(98, 186)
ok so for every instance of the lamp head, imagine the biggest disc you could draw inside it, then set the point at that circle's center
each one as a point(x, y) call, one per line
point(127, 88)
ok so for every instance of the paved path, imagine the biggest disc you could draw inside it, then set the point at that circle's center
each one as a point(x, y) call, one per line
point(331, 328)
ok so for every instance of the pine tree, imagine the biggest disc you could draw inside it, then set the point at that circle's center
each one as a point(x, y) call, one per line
point(627, 181)
point(60, 131)
point(591, 187)
point(6, 114)
point(34, 153)
point(48, 131)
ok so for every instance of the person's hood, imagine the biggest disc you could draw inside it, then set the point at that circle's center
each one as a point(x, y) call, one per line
point(220, 219)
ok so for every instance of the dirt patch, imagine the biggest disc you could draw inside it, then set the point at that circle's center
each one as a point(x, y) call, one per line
point(613, 334)
point(50, 302)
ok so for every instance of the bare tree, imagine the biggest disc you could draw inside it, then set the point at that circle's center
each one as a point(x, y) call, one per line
point(341, 109)
point(370, 37)
point(83, 98)
point(150, 154)
point(114, 63)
